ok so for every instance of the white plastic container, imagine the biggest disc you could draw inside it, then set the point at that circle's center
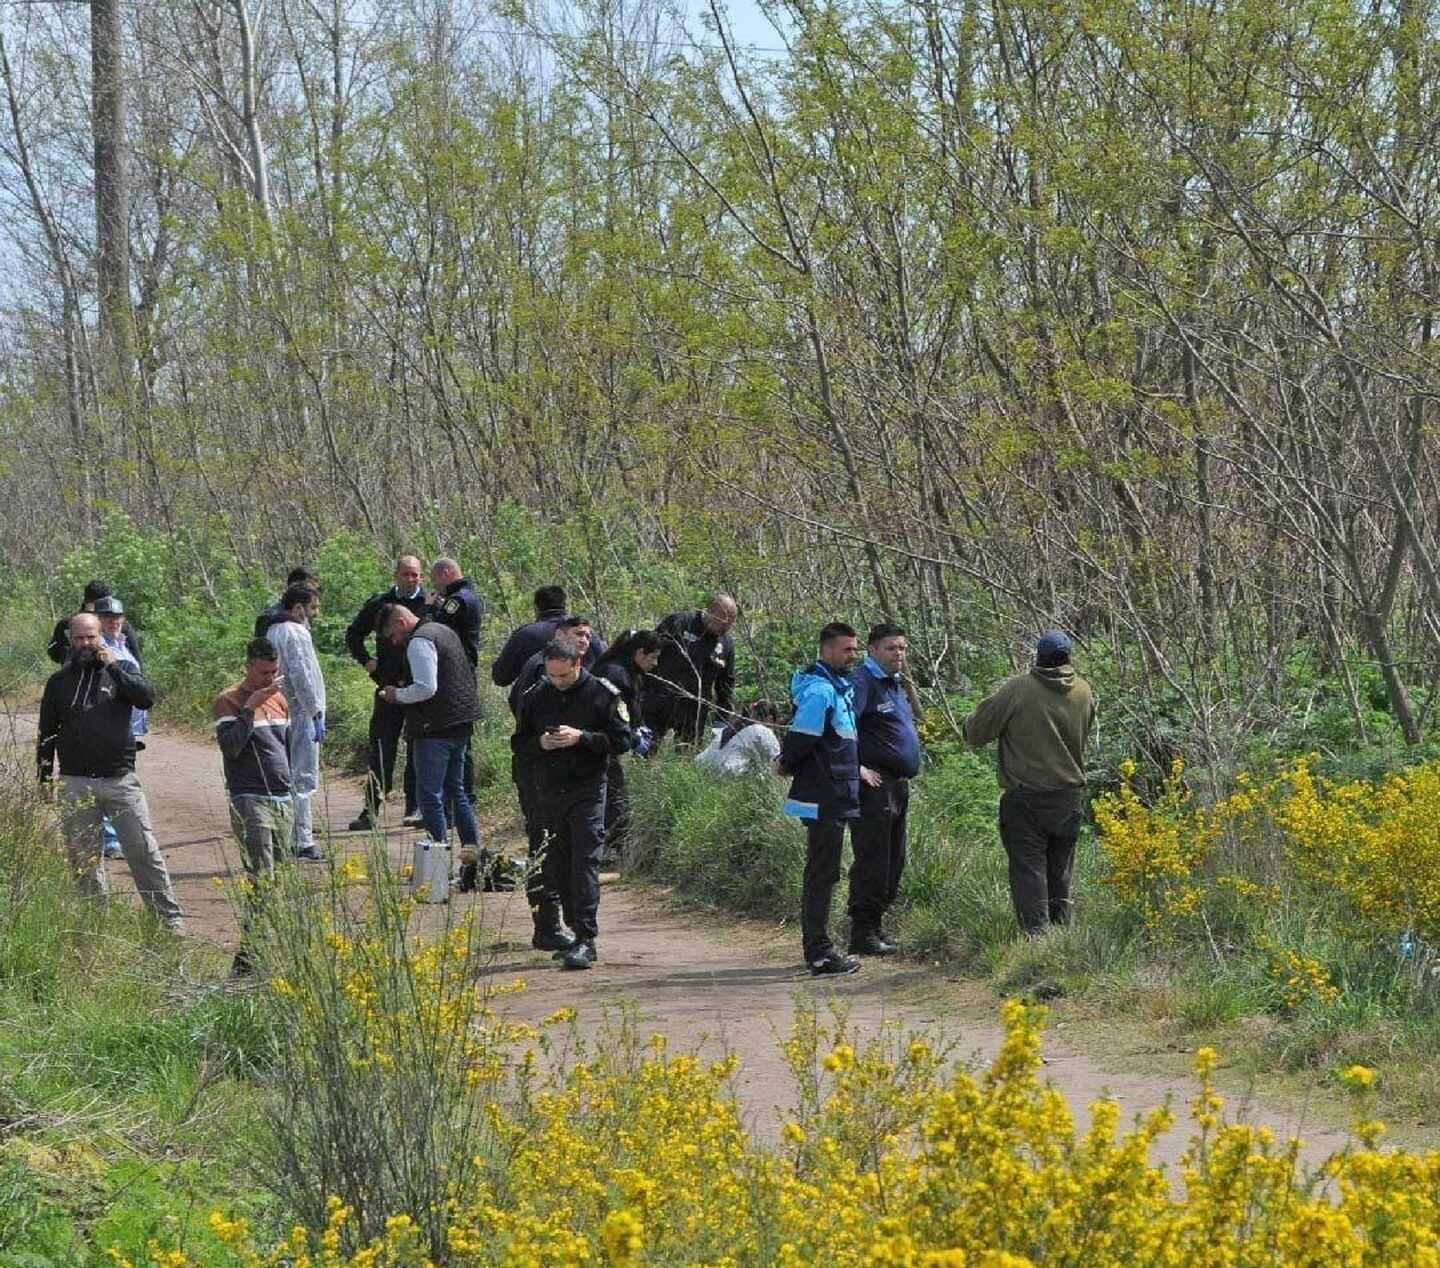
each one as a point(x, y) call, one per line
point(430, 877)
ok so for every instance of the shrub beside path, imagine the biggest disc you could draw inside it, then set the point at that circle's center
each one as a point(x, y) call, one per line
point(705, 983)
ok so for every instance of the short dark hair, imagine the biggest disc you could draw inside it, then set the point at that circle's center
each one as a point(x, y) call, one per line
point(261, 649)
point(548, 598)
point(384, 616)
point(302, 576)
point(836, 629)
point(298, 594)
point(562, 649)
point(96, 590)
point(572, 621)
point(886, 629)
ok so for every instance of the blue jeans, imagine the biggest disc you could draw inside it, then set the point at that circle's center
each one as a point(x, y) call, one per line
point(440, 780)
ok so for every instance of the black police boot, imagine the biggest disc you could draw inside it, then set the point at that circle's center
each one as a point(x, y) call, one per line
point(362, 822)
point(469, 878)
point(554, 938)
point(581, 956)
point(833, 964)
point(870, 942)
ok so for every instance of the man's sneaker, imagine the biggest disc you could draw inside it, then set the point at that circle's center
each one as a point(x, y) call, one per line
point(413, 819)
point(581, 956)
point(311, 854)
point(871, 942)
point(834, 965)
point(362, 822)
point(557, 940)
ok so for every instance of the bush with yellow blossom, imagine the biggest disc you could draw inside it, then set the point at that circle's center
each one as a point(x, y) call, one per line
point(628, 1163)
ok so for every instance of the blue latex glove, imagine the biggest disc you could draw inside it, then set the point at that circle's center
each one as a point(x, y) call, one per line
point(319, 727)
point(644, 740)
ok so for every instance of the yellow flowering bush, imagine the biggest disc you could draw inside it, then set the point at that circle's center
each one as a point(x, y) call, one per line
point(624, 1163)
point(1371, 847)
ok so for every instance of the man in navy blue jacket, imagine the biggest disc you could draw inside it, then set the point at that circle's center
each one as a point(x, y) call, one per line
point(821, 754)
point(889, 760)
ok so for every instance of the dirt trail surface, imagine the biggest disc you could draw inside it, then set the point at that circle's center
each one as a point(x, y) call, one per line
point(704, 983)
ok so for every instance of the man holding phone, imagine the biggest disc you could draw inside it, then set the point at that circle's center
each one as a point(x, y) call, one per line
point(85, 719)
point(568, 726)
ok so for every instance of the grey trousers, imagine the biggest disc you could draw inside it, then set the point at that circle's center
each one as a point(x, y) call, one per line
point(262, 826)
point(84, 802)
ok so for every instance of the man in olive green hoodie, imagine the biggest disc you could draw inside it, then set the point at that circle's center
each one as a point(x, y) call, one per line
point(1043, 721)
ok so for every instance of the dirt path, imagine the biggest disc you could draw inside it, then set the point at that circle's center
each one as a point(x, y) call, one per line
point(704, 983)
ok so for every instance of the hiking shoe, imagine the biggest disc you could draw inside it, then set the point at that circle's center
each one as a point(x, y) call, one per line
point(580, 956)
point(362, 822)
point(310, 854)
point(834, 965)
point(558, 940)
point(871, 942)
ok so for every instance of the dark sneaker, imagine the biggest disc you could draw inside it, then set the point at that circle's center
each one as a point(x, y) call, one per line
point(311, 854)
point(580, 956)
point(870, 942)
point(362, 822)
point(413, 819)
point(834, 965)
point(557, 940)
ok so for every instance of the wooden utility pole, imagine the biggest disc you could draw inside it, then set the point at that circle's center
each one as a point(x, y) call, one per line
point(112, 206)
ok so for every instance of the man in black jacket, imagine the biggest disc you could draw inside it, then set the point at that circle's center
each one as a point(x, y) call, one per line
point(458, 604)
point(697, 665)
point(526, 640)
point(570, 724)
point(85, 718)
point(386, 668)
point(59, 646)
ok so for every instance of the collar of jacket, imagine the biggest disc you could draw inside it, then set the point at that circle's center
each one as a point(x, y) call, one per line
point(551, 614)
point(876, 672)
point(841, 681)
point(417, 593)
point(456, 586)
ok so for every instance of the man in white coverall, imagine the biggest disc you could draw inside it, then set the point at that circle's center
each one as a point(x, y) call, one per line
point(305, 694)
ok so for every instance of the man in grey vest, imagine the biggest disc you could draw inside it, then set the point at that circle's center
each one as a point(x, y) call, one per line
point(441, 705)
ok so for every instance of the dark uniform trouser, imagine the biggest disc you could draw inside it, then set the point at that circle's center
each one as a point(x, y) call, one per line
point(544, 901)
point(574, 839)
point(878, 840)
point(617, 809)
point(666, 712)
point(824, 840)
point(1039, 831)
point(387, 725)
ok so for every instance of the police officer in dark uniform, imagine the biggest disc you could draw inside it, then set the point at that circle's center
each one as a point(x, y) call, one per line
point(386, 668)
point(570, 724)
point(627, 665)
point(458, 605)
point(572, 629)
point(697, 664)
point(526, 640)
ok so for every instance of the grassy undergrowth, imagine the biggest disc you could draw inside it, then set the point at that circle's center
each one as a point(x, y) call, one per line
point(126, 1070)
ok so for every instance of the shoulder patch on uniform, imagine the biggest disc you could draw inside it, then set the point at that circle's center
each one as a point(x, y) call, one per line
point(452, 606)
point(607, 684)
